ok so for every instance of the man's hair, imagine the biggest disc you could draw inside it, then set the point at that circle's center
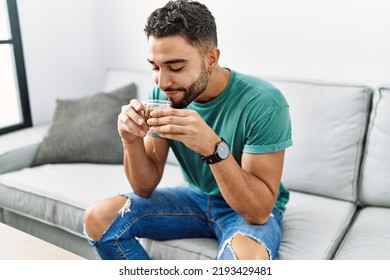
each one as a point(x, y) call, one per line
point(189, 19)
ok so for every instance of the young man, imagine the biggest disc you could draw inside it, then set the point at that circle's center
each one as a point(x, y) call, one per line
point(228, 131)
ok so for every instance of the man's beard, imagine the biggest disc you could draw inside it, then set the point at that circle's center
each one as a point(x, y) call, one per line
point(193, 91)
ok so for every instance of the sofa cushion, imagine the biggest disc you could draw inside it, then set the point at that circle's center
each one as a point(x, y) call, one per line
point(85, 129)
point(58, 194)
point(314, 226)
point(328, 129)
point(181, 249)
point(375, 181)
point(368, 237)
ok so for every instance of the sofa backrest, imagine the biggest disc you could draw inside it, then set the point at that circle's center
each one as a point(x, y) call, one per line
point(329, 124)
point(375, 180)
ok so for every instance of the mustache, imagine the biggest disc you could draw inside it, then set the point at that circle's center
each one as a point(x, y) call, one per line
point(174, 89)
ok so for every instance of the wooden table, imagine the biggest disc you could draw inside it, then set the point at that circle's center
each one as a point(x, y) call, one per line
point(18, 245)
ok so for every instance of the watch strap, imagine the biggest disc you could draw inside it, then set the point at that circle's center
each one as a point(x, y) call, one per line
point(214, 158)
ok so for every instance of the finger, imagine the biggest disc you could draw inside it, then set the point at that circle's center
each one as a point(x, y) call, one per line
point(132, 112)
point(131, 125)
point(137, 105)
point(170, 129)
point(158, 113)
point(134, 129)
point(173, 120)
point(172, 116)
point(123, 128)
point(124, 118)
point(171, 136)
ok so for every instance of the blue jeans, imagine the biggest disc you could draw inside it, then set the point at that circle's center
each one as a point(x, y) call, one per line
point(181, 212)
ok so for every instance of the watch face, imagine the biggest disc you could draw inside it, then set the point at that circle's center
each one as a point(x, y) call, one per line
point(223, 150)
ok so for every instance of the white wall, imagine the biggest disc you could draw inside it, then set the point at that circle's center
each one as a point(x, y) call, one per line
point(341, 41)
point(68, 44)
point(61, 51)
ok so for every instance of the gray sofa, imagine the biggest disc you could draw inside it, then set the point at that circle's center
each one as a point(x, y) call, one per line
point(337, 172)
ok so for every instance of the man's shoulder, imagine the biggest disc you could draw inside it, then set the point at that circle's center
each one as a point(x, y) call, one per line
point(257, 89)
point(254, 82)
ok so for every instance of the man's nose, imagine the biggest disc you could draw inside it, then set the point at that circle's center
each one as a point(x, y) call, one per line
point(163, 80)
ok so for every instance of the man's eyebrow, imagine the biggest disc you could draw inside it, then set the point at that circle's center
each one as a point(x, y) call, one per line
point(172, 61)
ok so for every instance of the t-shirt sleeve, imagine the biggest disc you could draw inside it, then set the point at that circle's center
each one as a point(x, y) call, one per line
point(271, 133)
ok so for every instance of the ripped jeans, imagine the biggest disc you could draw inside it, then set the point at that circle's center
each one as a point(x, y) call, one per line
point(181, 212)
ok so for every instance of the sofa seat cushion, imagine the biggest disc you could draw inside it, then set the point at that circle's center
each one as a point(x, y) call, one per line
point(181, 249)
point(58, 194)
point(314, 226)
point(368, 237)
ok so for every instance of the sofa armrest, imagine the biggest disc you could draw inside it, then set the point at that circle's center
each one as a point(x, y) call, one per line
point(18, 149)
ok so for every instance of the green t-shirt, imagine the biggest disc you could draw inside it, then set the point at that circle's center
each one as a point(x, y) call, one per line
point(251, 115)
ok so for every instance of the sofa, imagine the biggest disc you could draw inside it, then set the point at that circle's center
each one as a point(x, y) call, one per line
point(337, 172)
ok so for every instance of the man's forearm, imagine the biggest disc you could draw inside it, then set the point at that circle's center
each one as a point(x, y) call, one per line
point(139, 168)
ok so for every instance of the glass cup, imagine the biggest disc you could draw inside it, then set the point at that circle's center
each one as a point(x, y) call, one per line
point(152, 104)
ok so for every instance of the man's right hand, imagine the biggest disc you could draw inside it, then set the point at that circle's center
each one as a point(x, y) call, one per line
point(144, 162)
point(131, 125)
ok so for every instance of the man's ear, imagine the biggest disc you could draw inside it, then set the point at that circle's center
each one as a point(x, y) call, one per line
point(212, 58)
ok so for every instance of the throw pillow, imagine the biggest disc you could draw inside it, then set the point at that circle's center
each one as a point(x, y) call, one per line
point(85, 129)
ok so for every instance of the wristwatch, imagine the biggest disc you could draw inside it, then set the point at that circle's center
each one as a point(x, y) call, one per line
point(222, 152)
